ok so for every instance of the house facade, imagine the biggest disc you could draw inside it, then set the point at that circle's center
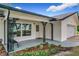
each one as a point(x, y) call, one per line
point(31, 26)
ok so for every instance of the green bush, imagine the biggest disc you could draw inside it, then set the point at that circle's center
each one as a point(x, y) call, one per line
point(36, 53)
point(54, 51)
point(78, 28)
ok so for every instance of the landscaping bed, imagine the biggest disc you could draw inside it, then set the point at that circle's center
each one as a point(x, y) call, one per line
point(41, 50)
point(2, 50)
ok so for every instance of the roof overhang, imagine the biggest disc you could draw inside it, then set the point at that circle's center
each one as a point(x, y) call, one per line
point(53, 19)
point(68, 16)
point(57, 19)
point(27, 12)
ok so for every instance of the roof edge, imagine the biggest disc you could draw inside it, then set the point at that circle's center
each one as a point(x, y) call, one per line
point(23, 11)
point(68, 16)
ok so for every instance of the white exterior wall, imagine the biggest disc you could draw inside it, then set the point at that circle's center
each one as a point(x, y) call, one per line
point(57, 30)
point(2, 30)
point(40, 33)
point(27, 18)
point(48, 31)
point(59, 27)
point(32, 19)
point(35, 34)
point(72, 20)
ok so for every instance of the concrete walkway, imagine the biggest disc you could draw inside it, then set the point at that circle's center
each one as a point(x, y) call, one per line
point(63, 53)
point(70, 43)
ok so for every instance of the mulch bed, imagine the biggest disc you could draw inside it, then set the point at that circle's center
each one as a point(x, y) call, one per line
point(43, 47)
point(65, 48)
point(2, 50)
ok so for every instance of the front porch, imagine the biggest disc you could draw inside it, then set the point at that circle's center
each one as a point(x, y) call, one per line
point(32, 43)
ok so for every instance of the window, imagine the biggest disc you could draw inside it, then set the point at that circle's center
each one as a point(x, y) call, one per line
point(37, 28)
point(17, 29)
point(26, 29)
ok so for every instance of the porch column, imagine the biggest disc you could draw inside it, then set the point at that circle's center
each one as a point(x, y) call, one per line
point(10, 35)
point(8, 44)
point(51, 31)
point(44, 37)
point(4, 32)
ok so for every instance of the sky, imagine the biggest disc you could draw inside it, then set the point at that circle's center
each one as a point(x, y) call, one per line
point(47, 9)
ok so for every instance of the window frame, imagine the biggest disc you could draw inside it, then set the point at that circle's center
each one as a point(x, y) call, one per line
point(26, 33)
point(16, 30)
